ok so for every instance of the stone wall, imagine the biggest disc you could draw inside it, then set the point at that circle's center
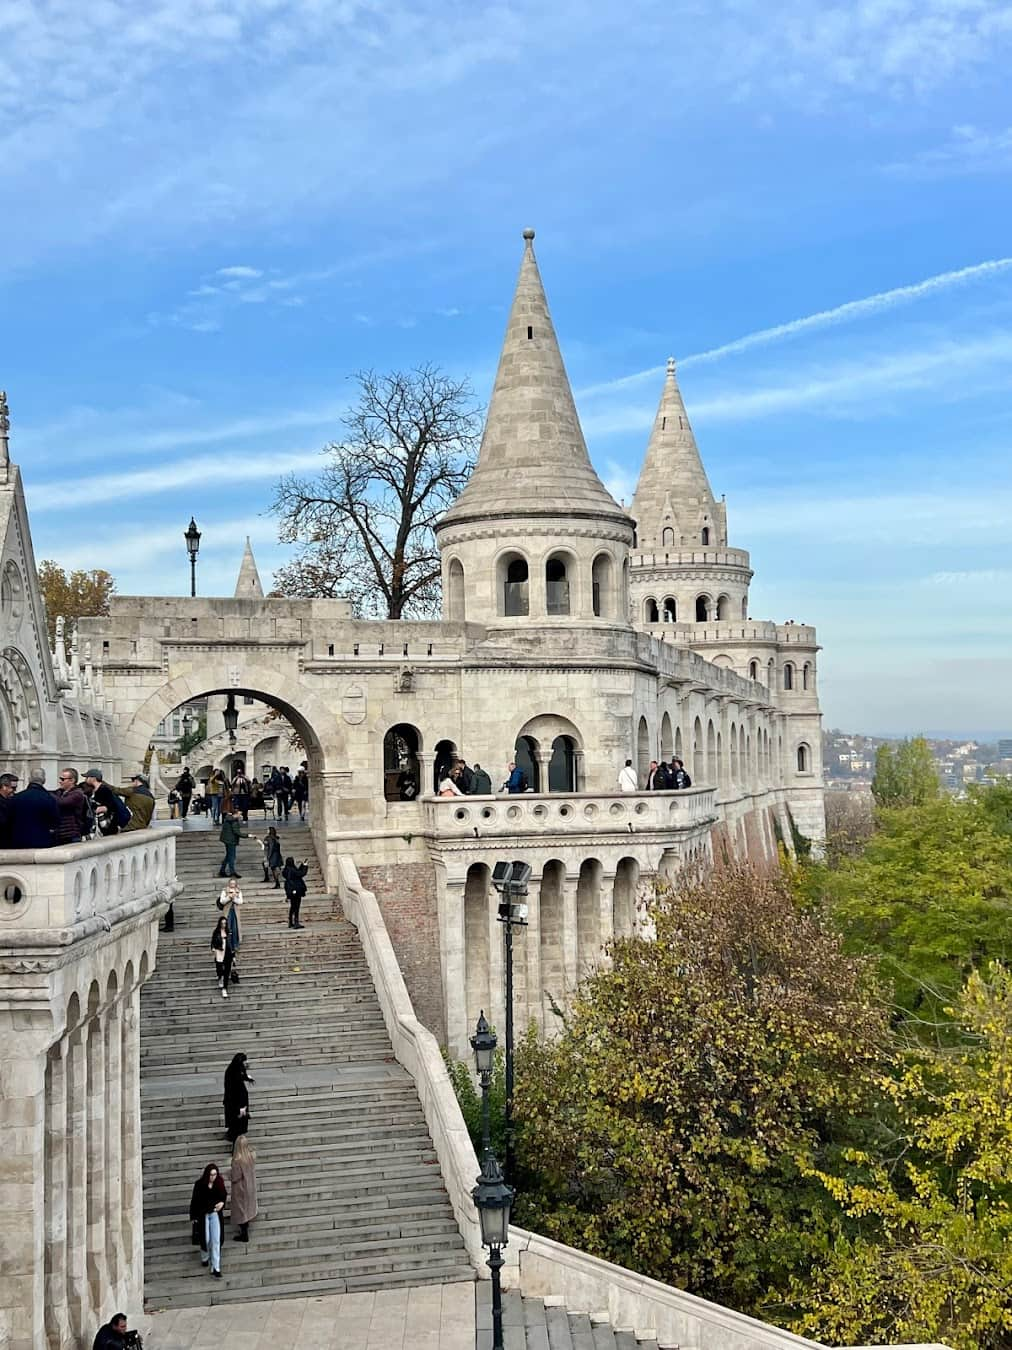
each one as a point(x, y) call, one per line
point(406, 894)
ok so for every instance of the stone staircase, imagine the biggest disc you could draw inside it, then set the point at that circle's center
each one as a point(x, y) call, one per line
point(544, 1324)
point(350, 1192)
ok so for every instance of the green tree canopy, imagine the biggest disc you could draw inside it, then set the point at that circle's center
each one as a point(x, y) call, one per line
point(905, 774)
point(661, 1129)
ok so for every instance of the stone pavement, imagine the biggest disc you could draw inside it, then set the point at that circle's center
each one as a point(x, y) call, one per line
point(428, 1317)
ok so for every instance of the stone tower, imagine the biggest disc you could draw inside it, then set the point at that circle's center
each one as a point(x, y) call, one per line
point(248, 585)
point(682, 568)
point(535, 535)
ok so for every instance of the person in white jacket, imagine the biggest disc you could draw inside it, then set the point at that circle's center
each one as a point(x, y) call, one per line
point(627, 780)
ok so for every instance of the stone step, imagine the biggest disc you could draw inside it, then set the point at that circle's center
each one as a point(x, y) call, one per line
point(349, 1186)
point(544, 1324)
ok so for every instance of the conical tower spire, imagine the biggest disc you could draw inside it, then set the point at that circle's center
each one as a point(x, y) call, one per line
point(533, 458)
point(248, 585)
point(674, 503)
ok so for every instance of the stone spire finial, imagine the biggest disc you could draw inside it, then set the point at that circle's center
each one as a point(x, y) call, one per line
point(5, 427)
point(248, 584)
point(533, 458)
point(672, 473)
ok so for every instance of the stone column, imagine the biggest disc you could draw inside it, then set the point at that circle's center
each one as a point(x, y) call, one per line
point(98, 1266)
point(114, 1255)
point(79, 1295)
point(544, 758)
point(451, 927)
point(426, 768)
point(579, 773)
point(130, 1147)
point(22, 1195)
point(570, 954)
point(535, 995)
point(607, 919)
point(496, 970)
point(57, 1202)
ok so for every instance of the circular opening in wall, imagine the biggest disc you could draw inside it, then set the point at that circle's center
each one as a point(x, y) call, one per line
point(540, 811)
point(616, 809)
point(460, 814)
point(12, 892)
point(514, 812)
point(487, 813)
point(641, 808)
point(590, 810)
point(565, 811)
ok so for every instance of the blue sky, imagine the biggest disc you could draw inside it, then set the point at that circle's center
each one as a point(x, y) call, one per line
point(216, 210)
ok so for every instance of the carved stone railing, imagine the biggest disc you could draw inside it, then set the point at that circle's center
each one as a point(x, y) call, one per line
point(81, 888)
point(561, 813)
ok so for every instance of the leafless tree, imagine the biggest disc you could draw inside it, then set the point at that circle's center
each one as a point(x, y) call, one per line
point(365, 526)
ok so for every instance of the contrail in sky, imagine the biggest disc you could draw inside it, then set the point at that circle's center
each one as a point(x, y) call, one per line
point(825, 318)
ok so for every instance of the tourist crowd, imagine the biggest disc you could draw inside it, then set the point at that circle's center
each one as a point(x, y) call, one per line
point(79, 808)
point(280, 791)
point(455, 778)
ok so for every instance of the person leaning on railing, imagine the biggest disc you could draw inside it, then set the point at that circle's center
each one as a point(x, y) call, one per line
point(140, 802)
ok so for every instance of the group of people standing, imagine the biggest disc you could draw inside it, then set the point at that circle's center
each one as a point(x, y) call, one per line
point(661, 777)
point(224, 794)
point(77, 809)
point(456, 778)
point(210, 1194)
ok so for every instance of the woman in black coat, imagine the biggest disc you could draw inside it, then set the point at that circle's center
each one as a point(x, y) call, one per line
point(295, 889)
point(236, 1099)
point(207, 1215)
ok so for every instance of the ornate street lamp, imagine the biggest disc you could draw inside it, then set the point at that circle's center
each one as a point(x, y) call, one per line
point(493, 1199)
point(483, 1043)
point(510, 880)
point(231, 716)
point(192, 537)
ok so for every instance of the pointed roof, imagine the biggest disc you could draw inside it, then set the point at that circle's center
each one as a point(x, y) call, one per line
point(533, 458)
point(672, 480)
point(248, 585)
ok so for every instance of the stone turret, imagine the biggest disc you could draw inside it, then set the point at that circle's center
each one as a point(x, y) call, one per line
point(682, 569)
point(248, 584)
point(535, 534)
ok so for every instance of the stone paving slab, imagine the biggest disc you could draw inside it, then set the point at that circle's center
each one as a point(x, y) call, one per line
point(308, 1076)
point(427, 1317)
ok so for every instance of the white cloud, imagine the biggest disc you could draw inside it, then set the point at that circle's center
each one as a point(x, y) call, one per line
point(239, 272)
point(968, 150)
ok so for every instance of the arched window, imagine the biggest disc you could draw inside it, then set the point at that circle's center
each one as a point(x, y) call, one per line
point(753, 670)
point(724, 607)
point(734, 753)
point(402, 781)
point(788, 675)
point(562, 765)
point(670, 610)
point(525, 752)
point(667, 537)
point(667, 746)
point(650, 611)
point(806, 675)
point(804, 759)
point(455, 590)
point(711, 753)
point(705, 535)
point(642, 750)
point(602, 576)
point(702, 608)
point(514, 586)
point(698, 768)
point(446, 755)
point(556, 586)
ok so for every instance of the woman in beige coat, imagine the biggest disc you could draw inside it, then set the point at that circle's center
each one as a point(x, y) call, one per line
point(244, 1187)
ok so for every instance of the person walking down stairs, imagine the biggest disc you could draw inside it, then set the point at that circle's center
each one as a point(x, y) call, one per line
point(244, 1187)
point(207, 1205)
point(221, 947)
point(271, 846)
point(230, 834)
point(295, 888)
point(236, 1098)
point(230, 901)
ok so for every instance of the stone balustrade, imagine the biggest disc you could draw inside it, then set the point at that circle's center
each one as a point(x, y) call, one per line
point(563, 813)
point(78, 888)
point(78, 936)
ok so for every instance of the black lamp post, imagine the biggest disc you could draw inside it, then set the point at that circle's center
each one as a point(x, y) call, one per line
point(493, 1198)
point(192, 537)
point(510, 880)
point(483, 1043)
point(231, 716)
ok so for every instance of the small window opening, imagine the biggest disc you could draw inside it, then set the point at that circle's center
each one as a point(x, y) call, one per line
point(706, 534)
point(664, 423)
point(530, 333)
point(330, 649)
point(105, 646)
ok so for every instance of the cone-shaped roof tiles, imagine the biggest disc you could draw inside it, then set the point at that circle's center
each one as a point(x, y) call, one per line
point(533, 458)
point(672, 476)
point(248, 584)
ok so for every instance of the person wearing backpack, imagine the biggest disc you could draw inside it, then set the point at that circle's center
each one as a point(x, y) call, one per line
point(140, 802)
point(111, 811)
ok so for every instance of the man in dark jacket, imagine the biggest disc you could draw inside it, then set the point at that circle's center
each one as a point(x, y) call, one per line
point(113, 1336)
point(481, 784)
point(35, 815)
point(8, 787)
point(680, 779)
point(231, 833)
point(103, 799)
point(184, 786)
point(75, 815)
